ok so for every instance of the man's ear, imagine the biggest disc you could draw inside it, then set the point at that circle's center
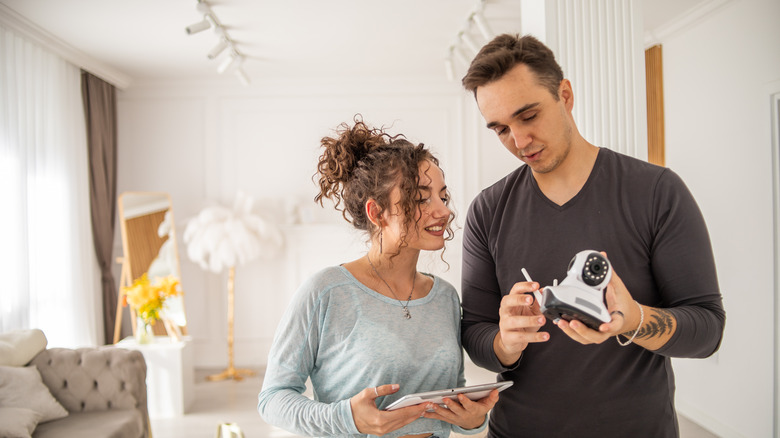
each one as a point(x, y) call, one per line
point(566, 94)
point(374, 212)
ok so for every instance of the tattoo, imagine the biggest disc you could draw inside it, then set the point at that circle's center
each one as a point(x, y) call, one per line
point(661, 323)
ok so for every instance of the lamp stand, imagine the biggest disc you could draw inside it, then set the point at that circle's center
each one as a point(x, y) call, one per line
point(236, 374)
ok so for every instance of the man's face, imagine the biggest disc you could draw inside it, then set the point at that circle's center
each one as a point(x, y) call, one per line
point(527, 118)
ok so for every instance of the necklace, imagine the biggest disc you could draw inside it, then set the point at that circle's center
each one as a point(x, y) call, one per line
point(407, 315)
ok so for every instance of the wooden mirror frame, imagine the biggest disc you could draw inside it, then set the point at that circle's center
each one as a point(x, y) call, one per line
point(140, 216)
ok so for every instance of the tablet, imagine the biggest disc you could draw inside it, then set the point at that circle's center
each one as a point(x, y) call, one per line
point(474, 392)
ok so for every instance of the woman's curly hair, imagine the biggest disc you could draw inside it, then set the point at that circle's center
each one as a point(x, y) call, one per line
point(361, 163)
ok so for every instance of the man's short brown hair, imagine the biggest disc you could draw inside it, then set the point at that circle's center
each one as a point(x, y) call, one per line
point(506, 51)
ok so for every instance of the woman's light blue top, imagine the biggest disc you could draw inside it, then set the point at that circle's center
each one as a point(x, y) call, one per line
point(347, 337)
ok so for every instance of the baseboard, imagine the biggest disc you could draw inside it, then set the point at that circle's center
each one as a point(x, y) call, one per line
point(706, 421)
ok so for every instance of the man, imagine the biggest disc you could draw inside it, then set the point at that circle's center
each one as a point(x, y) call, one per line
point(570, 196)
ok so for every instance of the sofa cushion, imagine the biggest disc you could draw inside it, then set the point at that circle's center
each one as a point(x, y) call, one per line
point(114, 423)
point(18, 347)
point(22, 387)
point(18, 422)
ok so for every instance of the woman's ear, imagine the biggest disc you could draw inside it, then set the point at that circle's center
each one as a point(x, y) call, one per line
point(374, 212)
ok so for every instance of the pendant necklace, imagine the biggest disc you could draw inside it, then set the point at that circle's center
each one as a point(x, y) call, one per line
point(407, 315)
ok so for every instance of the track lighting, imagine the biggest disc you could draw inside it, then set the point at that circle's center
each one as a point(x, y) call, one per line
point(242, 76)
point(232, 62)
point(200, 26)
point(219, 48)
point(482, 25)
point(464, 41)
point(466, 38)
point(449, 69)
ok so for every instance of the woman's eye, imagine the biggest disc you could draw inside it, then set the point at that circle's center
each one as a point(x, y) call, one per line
point(445, 199)
point(424, 200)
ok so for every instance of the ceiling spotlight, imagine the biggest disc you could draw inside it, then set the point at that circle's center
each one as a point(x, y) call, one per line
point(469, 42)
point(482, 24)
point(230, 63)
point(242, 76)
point(219, 48)
point(203, 7)
point(198, 27)
point(449, 68)
point(461, 57)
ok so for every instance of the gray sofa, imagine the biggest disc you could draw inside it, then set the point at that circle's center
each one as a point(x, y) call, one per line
point(103, 389)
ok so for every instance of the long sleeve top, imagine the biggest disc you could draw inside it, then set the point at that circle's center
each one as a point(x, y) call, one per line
point(656, 239)
point(346, 337)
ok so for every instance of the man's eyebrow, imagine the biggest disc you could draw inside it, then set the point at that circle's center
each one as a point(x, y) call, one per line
point(521, 110)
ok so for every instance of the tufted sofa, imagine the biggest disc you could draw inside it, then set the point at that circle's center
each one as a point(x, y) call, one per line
point(103, 389)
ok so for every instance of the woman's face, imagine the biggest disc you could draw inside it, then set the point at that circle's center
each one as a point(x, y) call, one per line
point(432, 215)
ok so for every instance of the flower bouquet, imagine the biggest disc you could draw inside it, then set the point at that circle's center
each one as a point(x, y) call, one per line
point(148, 301)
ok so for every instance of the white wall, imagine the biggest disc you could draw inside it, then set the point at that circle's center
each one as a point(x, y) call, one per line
point(717, 76)
point(204, 142)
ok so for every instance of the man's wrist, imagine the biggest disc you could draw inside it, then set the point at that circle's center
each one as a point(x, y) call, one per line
point(506, 358)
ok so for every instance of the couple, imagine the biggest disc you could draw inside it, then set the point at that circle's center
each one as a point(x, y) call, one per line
point(374, 329)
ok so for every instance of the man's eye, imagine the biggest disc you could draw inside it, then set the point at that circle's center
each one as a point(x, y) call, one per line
point(529, 118)
point(500, 131)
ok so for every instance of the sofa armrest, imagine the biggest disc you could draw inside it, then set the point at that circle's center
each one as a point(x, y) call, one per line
point(95, 379)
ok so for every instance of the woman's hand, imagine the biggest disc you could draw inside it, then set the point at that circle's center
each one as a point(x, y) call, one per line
point(370, 420)
point(466, 413)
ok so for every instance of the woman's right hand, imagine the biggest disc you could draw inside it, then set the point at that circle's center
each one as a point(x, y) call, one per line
point(370, 420)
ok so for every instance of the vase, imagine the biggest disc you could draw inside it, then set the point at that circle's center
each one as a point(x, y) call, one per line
point(143, 332)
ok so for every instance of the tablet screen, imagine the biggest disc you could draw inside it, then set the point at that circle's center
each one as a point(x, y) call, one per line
point(474, 392)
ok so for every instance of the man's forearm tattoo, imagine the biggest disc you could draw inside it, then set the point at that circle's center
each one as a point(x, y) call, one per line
point(662, 322)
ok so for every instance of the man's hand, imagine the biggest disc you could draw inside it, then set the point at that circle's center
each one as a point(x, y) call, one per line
point(519, 323)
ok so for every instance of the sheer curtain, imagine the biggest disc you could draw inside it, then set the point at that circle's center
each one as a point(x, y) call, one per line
point(48, 273)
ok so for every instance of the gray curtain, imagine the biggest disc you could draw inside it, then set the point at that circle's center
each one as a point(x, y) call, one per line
point(100, 114)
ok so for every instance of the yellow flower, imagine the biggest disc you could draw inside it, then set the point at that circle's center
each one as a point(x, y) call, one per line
point(147, 299)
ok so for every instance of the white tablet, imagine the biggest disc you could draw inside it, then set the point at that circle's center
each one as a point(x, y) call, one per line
point(474, 392)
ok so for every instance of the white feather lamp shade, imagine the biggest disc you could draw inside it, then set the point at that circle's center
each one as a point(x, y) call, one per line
point(219, 238)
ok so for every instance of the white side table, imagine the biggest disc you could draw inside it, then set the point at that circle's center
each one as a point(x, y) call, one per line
point(170, 376)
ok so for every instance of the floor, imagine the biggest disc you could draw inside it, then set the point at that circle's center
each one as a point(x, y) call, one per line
point(234, 402)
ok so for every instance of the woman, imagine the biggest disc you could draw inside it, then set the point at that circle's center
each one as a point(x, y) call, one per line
point(372, 330)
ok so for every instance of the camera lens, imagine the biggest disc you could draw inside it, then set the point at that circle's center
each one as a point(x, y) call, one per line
point(595, 269)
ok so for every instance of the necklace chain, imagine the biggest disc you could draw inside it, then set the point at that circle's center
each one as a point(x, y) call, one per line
point(407, 315)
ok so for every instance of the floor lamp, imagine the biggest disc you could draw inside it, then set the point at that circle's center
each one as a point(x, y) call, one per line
point(231, 372)
point(221, 238)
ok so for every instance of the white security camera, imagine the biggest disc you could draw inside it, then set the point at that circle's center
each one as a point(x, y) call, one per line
point(580, 295)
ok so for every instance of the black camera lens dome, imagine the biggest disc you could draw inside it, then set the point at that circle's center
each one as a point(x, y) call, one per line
point(595, 269)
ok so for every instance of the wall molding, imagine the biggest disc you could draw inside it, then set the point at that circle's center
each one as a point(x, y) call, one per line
point(36, 34)
point(683, 21)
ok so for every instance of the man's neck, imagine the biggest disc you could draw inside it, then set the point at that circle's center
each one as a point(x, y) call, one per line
point(565, 181)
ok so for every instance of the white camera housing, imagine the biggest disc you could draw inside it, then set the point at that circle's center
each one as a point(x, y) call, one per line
point(580, 295)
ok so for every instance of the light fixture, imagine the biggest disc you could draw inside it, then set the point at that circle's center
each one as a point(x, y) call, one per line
point(233, 61)
point(449, 68)
point(219, 48)
point(242, 76)
point(236, 58)
point(466, 38)
point(464, 41)
point(482, 25)
point(200, 26)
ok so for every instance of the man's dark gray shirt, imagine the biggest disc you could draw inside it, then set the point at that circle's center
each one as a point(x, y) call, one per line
point(653, 232)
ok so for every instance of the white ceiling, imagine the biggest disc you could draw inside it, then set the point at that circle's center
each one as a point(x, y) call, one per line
point(145, 39)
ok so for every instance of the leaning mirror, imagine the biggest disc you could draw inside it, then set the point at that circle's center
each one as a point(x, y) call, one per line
point(149, 245)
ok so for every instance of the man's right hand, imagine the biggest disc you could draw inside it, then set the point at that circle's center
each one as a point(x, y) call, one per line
point(519, 323)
